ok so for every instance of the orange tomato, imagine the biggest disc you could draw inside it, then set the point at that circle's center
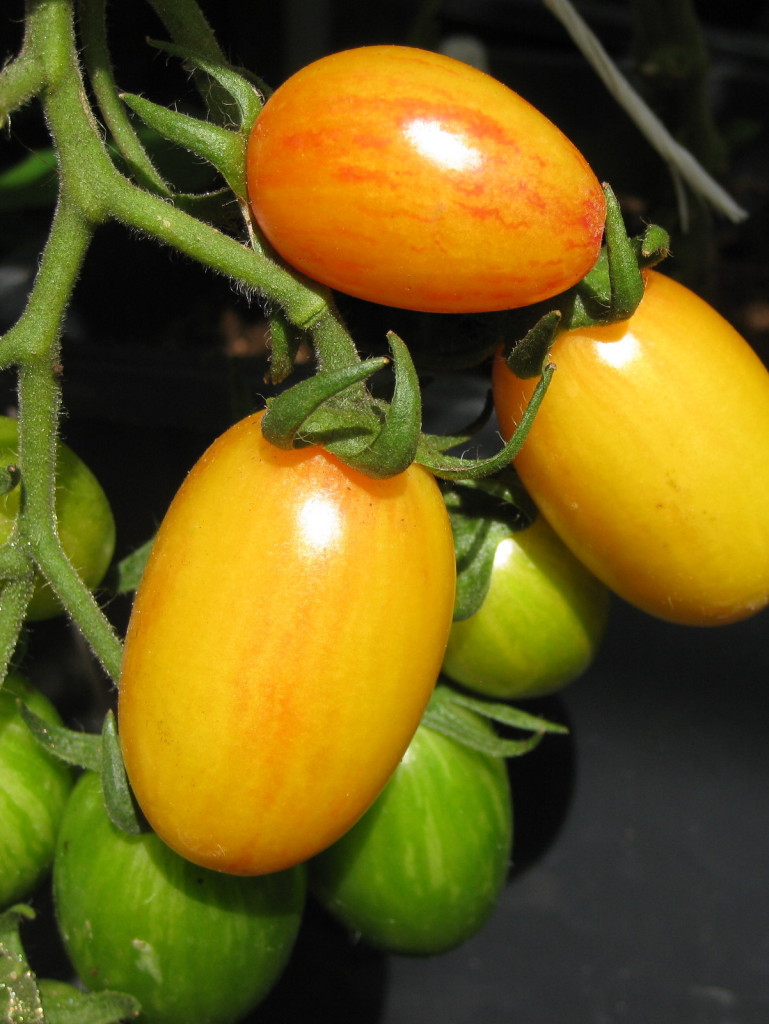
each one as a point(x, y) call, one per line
point(285, 639)
point(411, 179)
point(650, 456)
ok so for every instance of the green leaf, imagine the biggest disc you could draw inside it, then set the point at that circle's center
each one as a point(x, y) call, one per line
point(131, 568)
point(30, 183)
point(118, 798)
point(79, 748)
point(441, 715)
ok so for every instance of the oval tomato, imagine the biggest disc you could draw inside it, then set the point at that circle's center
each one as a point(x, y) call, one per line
point(539, 626)
point(284, 642)
point(193, 946)
point(83, 514)
point(411, 179)
point(422, 870)
point(650, 456)
point(35, 786)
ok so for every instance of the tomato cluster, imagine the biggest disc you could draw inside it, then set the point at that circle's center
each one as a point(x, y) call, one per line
point(295, 613)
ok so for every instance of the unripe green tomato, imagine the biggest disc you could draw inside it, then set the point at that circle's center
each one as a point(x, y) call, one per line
point(194, 946)
point(422, 870)
point(539, 626)
point(84, 519)
point(34, 787)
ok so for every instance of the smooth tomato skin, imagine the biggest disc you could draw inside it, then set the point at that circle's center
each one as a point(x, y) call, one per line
point(84, 519)
point(411, 179)
point(283, 644)
point(650, 456)
point(193, 946)
point(540, 624)
point(422, 870)
point(34, 787)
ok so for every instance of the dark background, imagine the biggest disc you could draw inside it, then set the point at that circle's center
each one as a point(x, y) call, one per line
point(639, 889)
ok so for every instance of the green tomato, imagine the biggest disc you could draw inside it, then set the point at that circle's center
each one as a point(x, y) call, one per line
point(194, 946)
point(539, 626)
point(422, 870)
point(33, 793)
point(83, 514)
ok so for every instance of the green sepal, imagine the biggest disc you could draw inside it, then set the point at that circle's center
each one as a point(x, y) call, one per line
point(482, 513)
point(625, 278)
point(19, 995)
point(528, 357)
point(10, 478)
point(441, 716)
point(118, 798)
point(31, 183)
point(652, 246)
point(394, 446)
point(82, 749)
point(444, 442)
point(246, 89)
point(224, 149)
point(285, 423)
point(451, 467)
point(131, 568)
point(285, 340)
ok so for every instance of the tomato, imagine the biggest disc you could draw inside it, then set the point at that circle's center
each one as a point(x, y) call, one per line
point(284, 642)
point(650, 456)
point(540, 624)
point(411, 179)
point(34, 790)
point(422, 870)
point(84, 518)
point(193, 946)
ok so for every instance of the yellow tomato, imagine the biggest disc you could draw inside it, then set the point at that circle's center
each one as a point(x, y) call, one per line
point(650, 456)
point(284, 642)
point(411, 179)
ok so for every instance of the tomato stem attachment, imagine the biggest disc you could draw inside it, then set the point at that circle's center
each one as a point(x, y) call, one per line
point(394, 447)
point(288, 412)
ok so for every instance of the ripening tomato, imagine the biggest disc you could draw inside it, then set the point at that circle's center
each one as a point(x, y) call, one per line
point(422, 870)
point(411, 179)
point(34, 787)
point(285, 639)
point(650, 456)
point(540, 623)
point(83, 515)
point(193, 946)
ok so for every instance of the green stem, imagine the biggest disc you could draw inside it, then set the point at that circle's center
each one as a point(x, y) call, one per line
point(38, 421)
point(35, 335)
point(21, 80)
point(187, 26)
point(97, 61)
